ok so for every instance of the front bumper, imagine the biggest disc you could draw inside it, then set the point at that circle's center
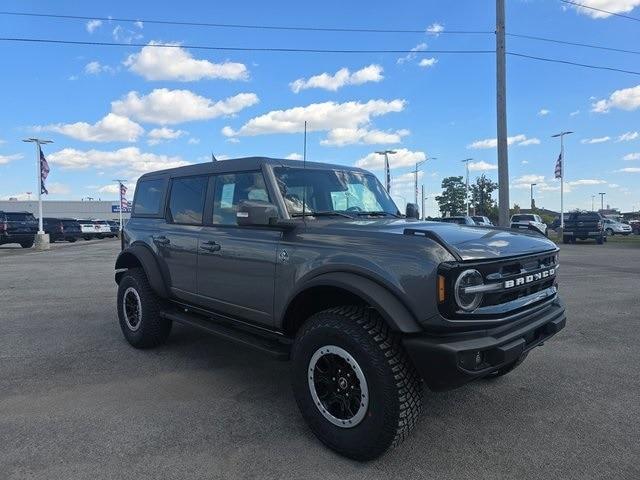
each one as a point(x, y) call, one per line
point(447, 362)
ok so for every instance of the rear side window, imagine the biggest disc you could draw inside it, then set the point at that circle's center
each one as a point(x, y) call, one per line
point(20, 217)
point(186, 202)
point(148, 197)
point(231, 189)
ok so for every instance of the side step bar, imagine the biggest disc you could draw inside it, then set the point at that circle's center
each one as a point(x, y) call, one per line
point(279, 349)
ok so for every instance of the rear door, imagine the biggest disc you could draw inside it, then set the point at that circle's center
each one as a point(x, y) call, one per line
point(177, 241)
point(21, 223)
point(236, 265)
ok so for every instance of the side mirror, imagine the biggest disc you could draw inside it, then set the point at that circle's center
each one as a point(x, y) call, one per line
point(412, 211)
point(256, 213)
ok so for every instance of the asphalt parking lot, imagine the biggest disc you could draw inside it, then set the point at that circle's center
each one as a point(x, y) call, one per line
point(76, 401)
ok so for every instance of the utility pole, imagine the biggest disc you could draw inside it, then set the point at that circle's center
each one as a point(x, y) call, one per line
point(42, 239)
point(387, 170)
point(466, 191)
point(422, 203)
point(120, 197)
point(602, 194)
point(532, 185)
point(501, 110)
point(592, 198)
point(561, 135)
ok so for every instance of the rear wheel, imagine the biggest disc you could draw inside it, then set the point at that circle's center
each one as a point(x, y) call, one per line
point(600, 240)
point(27, 244)
point(609, 232)
point(139, 311)
point(353, 382)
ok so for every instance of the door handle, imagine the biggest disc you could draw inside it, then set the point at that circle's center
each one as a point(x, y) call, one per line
point(161, 240)
point(210, 246)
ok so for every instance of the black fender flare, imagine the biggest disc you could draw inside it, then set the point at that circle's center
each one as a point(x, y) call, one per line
point(142, 255)
point(393, 311)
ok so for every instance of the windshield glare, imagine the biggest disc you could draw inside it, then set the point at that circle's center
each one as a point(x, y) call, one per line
point(330, 190)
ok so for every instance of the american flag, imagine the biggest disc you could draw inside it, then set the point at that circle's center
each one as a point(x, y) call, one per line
point(388, 172)
point(558, 171)
point(124, 203)
point(44, 173)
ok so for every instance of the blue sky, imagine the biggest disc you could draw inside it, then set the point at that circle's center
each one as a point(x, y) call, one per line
point(120, 111)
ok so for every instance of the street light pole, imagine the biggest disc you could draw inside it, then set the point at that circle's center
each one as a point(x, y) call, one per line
point(602, 194)
point(561, 135)
point(466, 191)
point(592, 198)
point(532, 185)
point(387, 170)
point(501, 111)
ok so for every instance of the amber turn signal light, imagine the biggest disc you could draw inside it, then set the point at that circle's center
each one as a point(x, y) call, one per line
point(441, 289)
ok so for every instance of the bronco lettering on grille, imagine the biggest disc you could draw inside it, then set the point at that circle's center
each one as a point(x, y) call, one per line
point(534, 277)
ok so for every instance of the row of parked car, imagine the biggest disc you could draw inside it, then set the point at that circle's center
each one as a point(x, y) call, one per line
point(21, 228)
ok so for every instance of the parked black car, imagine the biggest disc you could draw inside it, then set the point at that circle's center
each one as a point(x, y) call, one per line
point(315, 263)
point(18, 227)
point(62, 229)
point(583, 226)
point(115, 227)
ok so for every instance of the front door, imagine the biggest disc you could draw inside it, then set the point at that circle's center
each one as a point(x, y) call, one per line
point(236, 265)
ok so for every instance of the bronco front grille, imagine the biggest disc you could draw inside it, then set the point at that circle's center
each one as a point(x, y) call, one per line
point(509, 285)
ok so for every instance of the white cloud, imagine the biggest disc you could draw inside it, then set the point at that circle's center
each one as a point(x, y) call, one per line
point(481, 166)
point(193, 141)
point(4, 159)
point(428, 62)
point(528, 179)
point(130, 158)
point(585, 181)
point(412, 55)
point(348, 136)
point(595, 140)
point(632, 156)
point(125, 35)
point(624, 99)
point(92, 25)
point(112, 128)
point(402, 158)
point(139, 24)
point(176, 63)
point(435, 28)
point(157, 135)
point(543, 112)
point(55, 188)
point(113, 188)
point(613, 185)
point(319, 117)
point(294, 156)
point(520, 140)
point(326, 81)
point(574, 113)
point(628, 136)
point(604, 6)
point(525, 181)
point(95, 68)
point(629, 170)
point(163, 106)
point(524, 162)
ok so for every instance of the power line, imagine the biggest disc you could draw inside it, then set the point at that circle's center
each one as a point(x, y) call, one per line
point(306, 50)
point(581, 5)
point(575, 44)
point(244, 26)
point(568, 62)
point(237, 49)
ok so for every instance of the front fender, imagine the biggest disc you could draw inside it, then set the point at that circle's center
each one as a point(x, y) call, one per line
point(138, 255)
point(393, 311)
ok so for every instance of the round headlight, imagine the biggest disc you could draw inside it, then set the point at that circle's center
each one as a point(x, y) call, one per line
point(468, 301)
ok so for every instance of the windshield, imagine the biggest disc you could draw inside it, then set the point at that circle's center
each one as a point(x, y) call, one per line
point(345, 191)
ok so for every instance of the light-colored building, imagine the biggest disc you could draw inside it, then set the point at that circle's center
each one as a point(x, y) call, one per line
point(99, 210)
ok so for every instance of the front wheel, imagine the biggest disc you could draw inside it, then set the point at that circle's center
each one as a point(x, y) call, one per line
point(139, 311)
point(609, 232)
point(354, 383)
point(27, 244)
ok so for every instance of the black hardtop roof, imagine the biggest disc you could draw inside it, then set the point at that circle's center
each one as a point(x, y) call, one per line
point(240, 164)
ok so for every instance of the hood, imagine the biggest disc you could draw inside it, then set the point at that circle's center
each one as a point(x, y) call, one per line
point(470, 243)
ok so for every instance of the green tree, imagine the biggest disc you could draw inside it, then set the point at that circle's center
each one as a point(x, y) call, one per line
point(452, 200)
point(481, 192)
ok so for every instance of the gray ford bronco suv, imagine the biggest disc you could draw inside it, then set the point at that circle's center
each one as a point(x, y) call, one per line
point(314, 263)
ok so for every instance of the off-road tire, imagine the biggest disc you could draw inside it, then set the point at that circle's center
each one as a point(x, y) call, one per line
point(600, 240)
point(153, 329)
point(26, 244)
point(394, 386)
point(501, 372)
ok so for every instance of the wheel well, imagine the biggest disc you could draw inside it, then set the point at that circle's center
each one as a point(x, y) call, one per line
point(314, 300)
point(126, 260)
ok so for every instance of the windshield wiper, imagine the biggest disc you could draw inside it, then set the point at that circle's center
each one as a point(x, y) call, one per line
point(325, 213)
point(378, 214)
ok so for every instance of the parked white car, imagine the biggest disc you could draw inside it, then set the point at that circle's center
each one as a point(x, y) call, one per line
point(88, 229)
point(529, 221)
point(482, 220)
point(611, 227)
point(103, 229)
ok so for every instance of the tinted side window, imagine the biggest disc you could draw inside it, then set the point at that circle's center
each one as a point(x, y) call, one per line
point(186, 203)
point(231, 189)
point(148, 197)
point(584, 217)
